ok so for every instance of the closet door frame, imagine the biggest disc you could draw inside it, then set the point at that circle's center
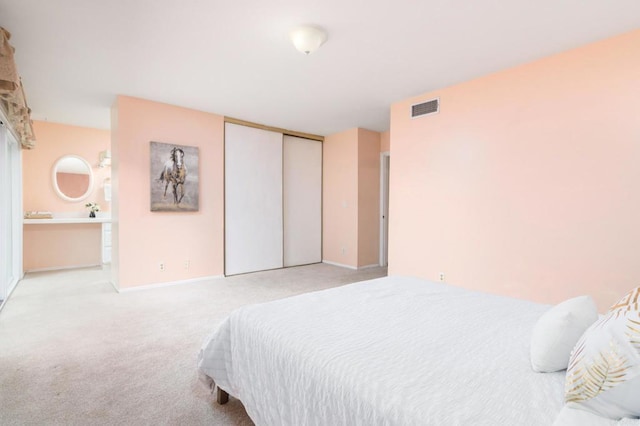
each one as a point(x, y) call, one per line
point(284, 132)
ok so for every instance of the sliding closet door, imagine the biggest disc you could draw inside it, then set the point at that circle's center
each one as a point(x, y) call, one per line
point(6, 255)
point(10, 212)
point(302, 177)
point(253, 199)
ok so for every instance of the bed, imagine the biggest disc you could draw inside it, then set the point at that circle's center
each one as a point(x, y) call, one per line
point(390, 351)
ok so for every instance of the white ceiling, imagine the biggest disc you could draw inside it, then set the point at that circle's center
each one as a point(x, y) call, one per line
point(234, 58)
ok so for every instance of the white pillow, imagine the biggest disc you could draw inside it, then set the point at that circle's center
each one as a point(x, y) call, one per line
point(557, 332)
point(604, 371)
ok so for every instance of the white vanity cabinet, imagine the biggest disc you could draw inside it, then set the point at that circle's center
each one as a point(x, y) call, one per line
point(106, 242)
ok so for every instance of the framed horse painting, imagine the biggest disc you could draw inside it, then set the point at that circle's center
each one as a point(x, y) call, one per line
point(174, 178)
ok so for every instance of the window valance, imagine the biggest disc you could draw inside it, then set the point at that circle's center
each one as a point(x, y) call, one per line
point(12, 97)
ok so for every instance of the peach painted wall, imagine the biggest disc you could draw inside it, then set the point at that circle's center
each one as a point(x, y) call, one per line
point(368, 198)
point(527, 181)
point(351, 197)
point(59, 246)
point(385, 141)
point(340, 198)
point(54, 141)
point(143, 239)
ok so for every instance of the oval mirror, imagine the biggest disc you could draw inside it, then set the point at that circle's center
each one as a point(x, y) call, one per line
point(72, 178)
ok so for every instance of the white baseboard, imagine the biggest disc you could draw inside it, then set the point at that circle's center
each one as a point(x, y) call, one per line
point(167, 284)
point(328, 262)
point(373, 265)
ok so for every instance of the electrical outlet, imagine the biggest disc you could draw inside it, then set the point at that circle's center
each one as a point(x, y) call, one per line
point(187, 264)
point(161, 266)
point(441, 276)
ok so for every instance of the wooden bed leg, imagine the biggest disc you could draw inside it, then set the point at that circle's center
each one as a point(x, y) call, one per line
point(223, 397)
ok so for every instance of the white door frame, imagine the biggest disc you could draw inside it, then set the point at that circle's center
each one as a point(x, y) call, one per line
point(384, 199)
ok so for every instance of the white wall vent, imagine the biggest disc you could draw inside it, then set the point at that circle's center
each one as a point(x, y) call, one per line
point(425, 108)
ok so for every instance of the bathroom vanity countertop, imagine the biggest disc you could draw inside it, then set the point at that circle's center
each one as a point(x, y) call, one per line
point(67, 220)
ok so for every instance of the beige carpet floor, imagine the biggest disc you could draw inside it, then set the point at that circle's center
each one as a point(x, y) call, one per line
point(75, 352)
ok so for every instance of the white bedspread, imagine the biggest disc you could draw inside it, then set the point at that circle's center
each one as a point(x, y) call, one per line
point(391, 351)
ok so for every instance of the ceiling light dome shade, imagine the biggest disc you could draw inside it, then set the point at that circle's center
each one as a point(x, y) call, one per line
point(308, 38)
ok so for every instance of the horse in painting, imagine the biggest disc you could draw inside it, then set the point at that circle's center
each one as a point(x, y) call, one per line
point(174, 172)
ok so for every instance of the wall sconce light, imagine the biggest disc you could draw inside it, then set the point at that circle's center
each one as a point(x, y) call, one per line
point(106, 187)
point(105, 158)
point(307, 38)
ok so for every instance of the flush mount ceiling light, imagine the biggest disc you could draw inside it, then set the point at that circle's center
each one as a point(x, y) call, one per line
point(307, 38)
